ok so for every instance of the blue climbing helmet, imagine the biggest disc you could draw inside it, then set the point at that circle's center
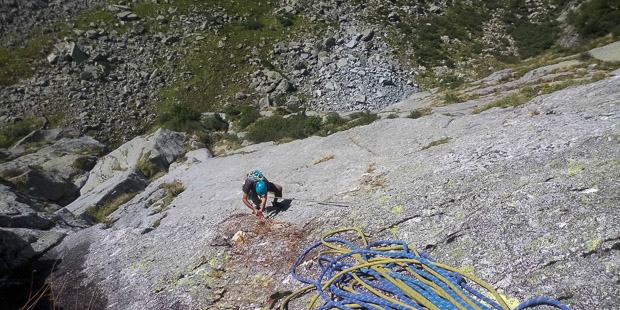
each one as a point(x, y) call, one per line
point(261, 188)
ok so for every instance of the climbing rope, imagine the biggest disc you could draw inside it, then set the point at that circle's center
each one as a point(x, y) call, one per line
point(392, 275)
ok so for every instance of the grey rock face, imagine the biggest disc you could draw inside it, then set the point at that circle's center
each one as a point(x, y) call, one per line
point(47, 163)
point(119, 171)
point(526, 197)
point(28, 228)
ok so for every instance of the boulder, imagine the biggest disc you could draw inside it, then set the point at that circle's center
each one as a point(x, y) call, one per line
point(28, 227)
point(122, 182)
point(157, 150)
point(76, 53)
point(48, 185)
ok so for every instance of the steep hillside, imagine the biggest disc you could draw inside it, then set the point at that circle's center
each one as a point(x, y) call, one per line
point(116, 70)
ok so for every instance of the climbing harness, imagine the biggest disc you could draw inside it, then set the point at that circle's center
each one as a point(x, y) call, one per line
point(392, 275)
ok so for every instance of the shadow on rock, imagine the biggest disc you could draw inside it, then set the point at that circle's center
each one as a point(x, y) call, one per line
point(283, 205)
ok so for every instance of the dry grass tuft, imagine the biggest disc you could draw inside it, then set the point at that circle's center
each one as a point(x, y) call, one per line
point(325, 158)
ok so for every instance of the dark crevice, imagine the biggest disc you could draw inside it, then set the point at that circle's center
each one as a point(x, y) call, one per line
point(588, 254)
point(612, 239)
point(565, 296)
point(451, 237)
point(614, 247)
point(550, 263)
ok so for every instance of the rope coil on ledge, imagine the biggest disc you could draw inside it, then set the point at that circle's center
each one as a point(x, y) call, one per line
point(392, 275)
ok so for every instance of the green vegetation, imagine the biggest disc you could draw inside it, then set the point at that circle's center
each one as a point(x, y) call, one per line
point(179, 117)
point(11, 173)
point(512, 100)
point(100, 214)
point(532, 37)
point(243, 116)
point(22, 61)
point(148, 168)
point(215, 123)
point(420, 112)
point(84, 162)
point(219, 63)
point(437, 142)
point(452, 97)
point(12, 133)
point(439, 40)
point(278, 128)
point(173, 190)
point(597, 18)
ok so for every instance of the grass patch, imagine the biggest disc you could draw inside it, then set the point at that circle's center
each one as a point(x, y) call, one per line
point(437, 142)
point(100, 214)
point(452, 97)
point(21, 62)
point(512, 100)
point(323, 159)
point(553, 87)
point(148, 168)
point(173, 190)
point(361, 118)
point(12, 133)
point(84, 163)
point(11, 173)
point(420, 112)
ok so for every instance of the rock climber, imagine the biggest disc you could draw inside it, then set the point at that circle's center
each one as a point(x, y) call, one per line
point(256, 186)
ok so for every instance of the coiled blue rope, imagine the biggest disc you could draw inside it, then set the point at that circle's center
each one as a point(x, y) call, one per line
point(391, 275)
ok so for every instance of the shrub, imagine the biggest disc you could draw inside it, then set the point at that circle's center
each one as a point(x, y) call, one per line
point(253, 24)
point(276, 127)
point(179, 117)
point(533, 39)
point(286, 19)
point(248, 116)
point(452, 81)
point(215, 122)
point(419, 113)
point(242, 115)
point(597, 18)
point(281, 111)
point(312, 124)
point(333, 118)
